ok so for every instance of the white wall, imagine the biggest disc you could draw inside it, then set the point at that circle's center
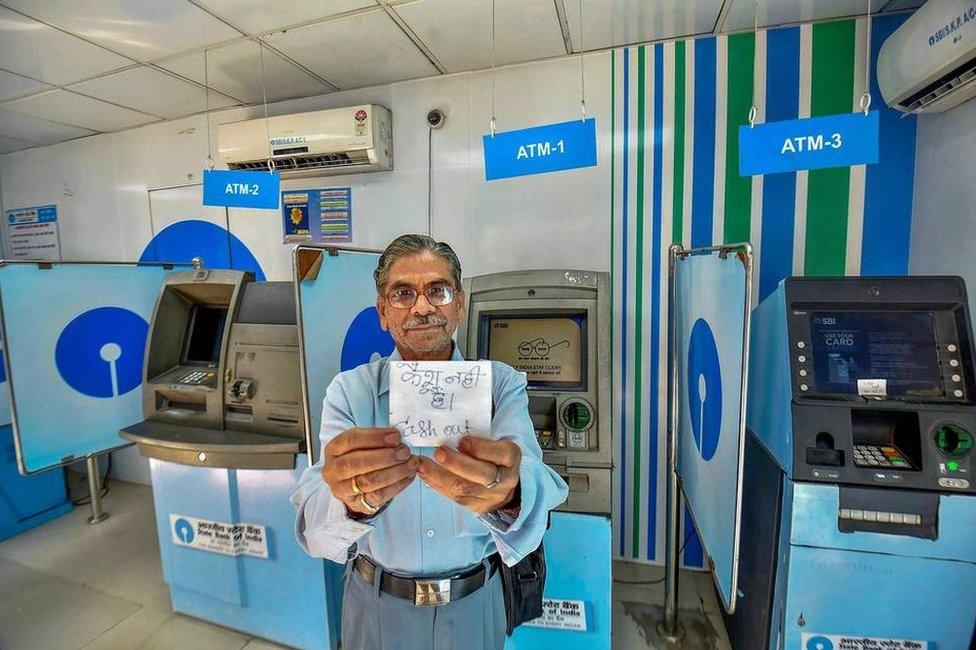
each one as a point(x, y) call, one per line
point(944, 213)
point(113, 191)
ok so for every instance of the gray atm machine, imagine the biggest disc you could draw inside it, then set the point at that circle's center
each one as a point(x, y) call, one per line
point(222, 386)
point(553, 325)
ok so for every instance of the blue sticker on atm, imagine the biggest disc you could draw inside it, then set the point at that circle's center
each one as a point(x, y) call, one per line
point(540, 149)
point(241, 189)
point(809, 143)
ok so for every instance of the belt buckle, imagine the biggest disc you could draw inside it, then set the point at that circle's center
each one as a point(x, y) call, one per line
point(432, 592)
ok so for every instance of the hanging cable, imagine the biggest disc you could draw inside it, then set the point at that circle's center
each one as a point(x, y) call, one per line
point(866, 97)
point(753, 111)
point(206, 92)
point(582, 77)
point(491, 123)
point(264, 94)
point(430, 182)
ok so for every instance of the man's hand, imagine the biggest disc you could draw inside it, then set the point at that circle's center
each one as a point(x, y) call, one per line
point(370, 464)
point(462, 476)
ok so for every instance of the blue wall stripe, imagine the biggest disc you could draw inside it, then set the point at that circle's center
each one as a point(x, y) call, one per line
point(779, 190)
point(703, 179)
point(625, 265)
point(889, 183)
point(693, 555)
point(657, 223)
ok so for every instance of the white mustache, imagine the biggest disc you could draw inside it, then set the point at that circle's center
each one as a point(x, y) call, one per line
point(423, 321)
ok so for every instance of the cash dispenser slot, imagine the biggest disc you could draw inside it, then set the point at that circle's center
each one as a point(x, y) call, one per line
point(896, 512)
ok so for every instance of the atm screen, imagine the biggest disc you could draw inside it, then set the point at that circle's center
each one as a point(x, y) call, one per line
point(891, 353)
point(203, 334)
point(550, 350)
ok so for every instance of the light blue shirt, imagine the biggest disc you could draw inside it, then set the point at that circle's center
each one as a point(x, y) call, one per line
point(422, 532)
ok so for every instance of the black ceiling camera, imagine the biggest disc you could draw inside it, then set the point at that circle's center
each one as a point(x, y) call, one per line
point(436, 118)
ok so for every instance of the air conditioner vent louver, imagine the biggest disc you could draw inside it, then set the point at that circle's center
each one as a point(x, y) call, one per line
point(953, 80)
point(305, 162)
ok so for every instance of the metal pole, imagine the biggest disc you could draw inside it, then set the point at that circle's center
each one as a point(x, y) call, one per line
point(95, 488)
point(670, 630)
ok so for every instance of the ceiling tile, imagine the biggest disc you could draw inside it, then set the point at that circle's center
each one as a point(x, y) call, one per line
point(69, 108)
point(152, 91)
point(142, 30)
point(36, 50)
point(609, 23)
point(260, 16)
point(782, 12)
point(8, 145)
point(13, 85)
point(24, 127)
point(367, 49)
point(458, 32)
point(236, 70)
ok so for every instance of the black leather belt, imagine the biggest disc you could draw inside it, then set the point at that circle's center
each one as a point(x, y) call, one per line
point(423, 591)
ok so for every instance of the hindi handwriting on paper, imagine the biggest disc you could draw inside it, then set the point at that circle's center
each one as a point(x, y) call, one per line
point(437, 402)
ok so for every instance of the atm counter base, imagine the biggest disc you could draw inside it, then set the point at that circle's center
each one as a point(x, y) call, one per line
point(27, 501)
point(287, 597)
point(578, 568)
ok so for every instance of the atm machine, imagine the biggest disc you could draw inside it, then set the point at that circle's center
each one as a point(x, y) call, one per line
point(859, 503)
point(553, 325)
point(224, 431)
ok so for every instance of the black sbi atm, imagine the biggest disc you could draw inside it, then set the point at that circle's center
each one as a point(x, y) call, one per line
point(553, 325)
point(859, 500)
point(222, 386)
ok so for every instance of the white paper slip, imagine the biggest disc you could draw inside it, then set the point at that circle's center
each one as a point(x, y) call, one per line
point(872, 387)
point(435, 403)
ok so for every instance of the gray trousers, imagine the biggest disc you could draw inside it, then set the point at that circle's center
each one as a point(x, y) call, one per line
point(373, 620)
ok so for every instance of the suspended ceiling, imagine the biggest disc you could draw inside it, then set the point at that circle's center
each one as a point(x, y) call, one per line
point(74, 68)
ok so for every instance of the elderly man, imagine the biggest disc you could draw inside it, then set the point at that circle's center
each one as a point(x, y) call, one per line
point(361, 503)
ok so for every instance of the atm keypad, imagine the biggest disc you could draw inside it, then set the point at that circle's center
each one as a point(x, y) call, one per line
point(879, 456)
point(196, 378)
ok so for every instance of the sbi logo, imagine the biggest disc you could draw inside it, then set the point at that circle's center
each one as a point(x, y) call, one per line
point(704, 389)
point(184, 530)
point(100, 352)
point(365, 340)
point(819, 643)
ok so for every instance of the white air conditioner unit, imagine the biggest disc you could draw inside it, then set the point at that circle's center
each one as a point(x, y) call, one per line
point(929, 63)
point(320, 143)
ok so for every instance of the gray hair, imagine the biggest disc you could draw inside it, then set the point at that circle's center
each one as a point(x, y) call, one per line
point(406, 245)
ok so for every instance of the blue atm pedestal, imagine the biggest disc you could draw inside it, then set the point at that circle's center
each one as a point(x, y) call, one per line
point(859, 504)
point(27, 501)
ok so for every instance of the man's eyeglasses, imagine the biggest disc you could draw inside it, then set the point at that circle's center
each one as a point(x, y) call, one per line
point(405, 297)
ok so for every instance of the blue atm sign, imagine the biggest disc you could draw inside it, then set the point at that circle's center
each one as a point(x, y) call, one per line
point(238, 189)
point(540, 149)
point(812, 143)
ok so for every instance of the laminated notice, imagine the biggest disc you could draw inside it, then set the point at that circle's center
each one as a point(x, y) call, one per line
point(872, 387)
point(435, 403)
point(846, 642)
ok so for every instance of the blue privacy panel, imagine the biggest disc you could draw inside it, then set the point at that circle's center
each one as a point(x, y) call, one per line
point(237, 189)
point(340, 326)
point(288, 597)
point(75, 341)
point(27, 501)
point(578, 567)
point(540, 149)
point(709, 324)
point(810, 143)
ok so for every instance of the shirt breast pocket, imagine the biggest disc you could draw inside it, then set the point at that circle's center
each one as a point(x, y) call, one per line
point(466, 523)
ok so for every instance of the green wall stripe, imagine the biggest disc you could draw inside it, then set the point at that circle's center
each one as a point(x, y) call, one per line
point(738, 189)
point(678, 194)
point(639, 300)
point(832, 91)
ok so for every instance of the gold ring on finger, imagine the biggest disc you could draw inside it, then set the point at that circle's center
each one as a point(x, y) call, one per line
point(355, 486)
point(496, 480)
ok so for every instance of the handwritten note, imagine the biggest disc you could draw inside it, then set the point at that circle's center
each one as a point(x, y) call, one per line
point(435, 403)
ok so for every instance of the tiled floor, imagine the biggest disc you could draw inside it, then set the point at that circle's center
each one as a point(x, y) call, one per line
point(67, 585)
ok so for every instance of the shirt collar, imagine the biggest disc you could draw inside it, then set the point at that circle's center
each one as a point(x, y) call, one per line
point(395, 356)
